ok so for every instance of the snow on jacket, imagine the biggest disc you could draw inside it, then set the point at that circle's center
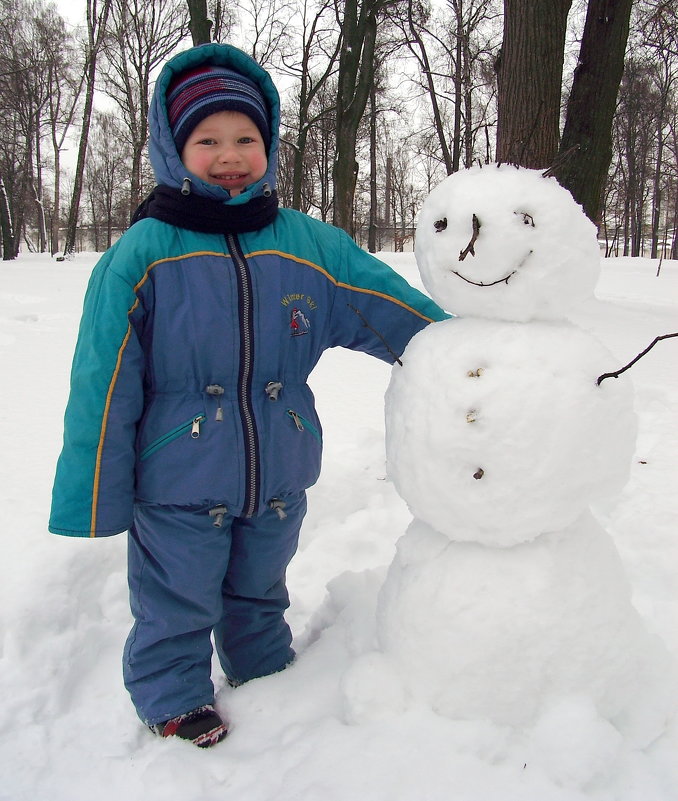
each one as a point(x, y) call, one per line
point(189, 379)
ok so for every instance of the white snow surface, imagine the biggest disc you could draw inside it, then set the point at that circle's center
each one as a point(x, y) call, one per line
point(339, 724)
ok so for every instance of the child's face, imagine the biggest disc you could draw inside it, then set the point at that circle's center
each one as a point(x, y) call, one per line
point(226, 149)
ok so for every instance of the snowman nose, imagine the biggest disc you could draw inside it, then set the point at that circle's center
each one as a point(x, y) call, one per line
point(475, 222)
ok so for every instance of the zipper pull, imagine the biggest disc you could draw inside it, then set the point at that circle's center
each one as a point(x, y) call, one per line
point(216, 391)
point(272, 390)
point(218, 513)
point(186, 187)
point(278, 507)
point(195, 427)
point(296, 418)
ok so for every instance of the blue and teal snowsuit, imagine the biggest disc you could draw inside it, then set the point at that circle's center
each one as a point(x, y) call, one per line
point(190, 422)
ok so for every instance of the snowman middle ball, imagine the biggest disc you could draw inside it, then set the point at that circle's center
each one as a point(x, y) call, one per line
point(497, 432)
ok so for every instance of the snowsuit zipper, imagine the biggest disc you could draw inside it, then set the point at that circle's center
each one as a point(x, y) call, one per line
point(246, 318)
point(192, 425)
point(303, 424)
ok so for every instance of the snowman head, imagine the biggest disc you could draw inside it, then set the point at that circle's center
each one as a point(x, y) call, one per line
point(505, 242)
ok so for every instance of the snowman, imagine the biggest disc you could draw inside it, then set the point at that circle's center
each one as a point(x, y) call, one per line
point(506, 599)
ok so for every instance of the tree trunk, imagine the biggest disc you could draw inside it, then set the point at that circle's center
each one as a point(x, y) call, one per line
point(659, 158)
point(8, 245)
point(657, 192)
point(38, 192)
point(356, 73)
point(302, 137)
point(298, 168)
point(458, 80)
point(74, 210)
point(54, 228)
point(95, 27)
point(388, 193)
point(372, 230)
point(200, 25)
point(591, 107)
point(136, 195)
point(529, 76)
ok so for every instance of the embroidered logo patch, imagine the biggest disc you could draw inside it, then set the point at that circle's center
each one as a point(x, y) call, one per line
point(299, 306)
point(299, 324)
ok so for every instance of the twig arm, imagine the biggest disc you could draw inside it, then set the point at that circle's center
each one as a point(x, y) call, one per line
point(617, 373)
point(374, 331)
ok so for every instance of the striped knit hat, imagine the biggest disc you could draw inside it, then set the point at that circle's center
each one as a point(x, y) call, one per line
point(197, 93)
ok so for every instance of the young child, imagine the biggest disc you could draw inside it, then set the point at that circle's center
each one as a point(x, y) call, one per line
point(190, 423)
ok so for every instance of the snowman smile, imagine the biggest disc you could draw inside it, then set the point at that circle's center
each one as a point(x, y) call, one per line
point(503, 280)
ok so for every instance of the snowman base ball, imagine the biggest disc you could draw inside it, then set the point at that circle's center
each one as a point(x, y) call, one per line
point(502, 633)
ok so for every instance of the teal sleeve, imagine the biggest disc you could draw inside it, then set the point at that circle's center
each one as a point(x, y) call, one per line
point(94, 484)
point(376, 310)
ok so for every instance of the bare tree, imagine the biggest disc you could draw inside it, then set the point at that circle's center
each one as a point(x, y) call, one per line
point(317, 195)
point(97, 15)
point(266, 28)
point(108, 166)
point(62, 100)
point(660, 37)
point(417, 17)
point(37, 97)
point(23, 94)
point(633, 130)
point(140, 35)
point(453, 50)
point(313, 69)
point(476, 47)
point(358, 25)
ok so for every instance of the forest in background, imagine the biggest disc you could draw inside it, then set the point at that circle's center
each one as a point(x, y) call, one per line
point(380, 100)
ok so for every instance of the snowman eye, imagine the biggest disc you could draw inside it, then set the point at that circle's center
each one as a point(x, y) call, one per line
point(440, 225)
point(528, 219)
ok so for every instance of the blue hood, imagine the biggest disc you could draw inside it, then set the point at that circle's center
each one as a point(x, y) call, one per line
point(165, 160)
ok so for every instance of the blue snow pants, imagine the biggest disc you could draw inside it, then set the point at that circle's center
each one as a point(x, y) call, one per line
point(189, 579)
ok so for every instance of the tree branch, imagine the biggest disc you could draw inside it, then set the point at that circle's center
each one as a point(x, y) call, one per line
point(469, 248)
point(633, 361)
point(374, 331)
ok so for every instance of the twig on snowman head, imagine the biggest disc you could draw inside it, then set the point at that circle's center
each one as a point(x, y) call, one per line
point(617, 373)
point(469, 248)
point(374, 331)
point(560, 161)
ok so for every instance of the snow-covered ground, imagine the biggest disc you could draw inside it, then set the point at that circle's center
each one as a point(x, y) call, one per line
point(67, 729)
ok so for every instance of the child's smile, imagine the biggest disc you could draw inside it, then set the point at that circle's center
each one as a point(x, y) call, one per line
point(226, 149)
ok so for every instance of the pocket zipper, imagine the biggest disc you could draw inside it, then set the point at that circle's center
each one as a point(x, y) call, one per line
point(302, 423)
point(192, 425)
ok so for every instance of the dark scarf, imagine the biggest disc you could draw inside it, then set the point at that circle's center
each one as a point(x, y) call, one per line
point(197, 213)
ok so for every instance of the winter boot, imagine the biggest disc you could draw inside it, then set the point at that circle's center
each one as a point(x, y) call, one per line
point(202, 726)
